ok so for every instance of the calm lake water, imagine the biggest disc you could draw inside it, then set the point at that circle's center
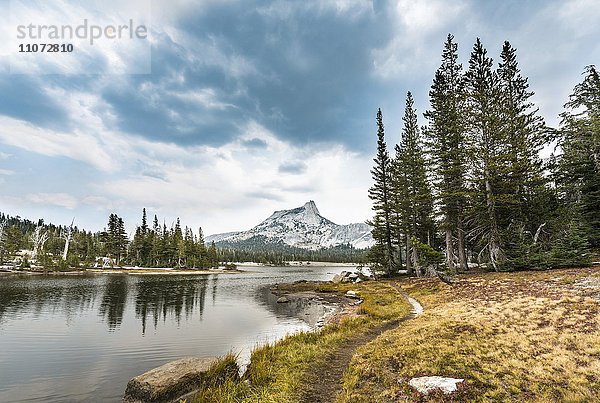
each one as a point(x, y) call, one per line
point(81, 338)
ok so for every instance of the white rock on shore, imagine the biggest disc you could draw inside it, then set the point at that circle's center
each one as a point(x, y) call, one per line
point(427, 384)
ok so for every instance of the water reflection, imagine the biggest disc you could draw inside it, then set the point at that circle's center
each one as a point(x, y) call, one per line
point(81, 338)
point(114, 301)
point(156, 298)
point(168, 297)
point(37, 296)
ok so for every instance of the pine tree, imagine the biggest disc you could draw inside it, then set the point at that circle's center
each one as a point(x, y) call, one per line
point(524, 206)
point(410, 187)
point(448, 149)
point(121, 241)
point(145, 247)
point(212, 255)
point(116, 238)
point(579, 165)
point(201, 249)
point(155, 253)
point(382, 205)
point(484, 124)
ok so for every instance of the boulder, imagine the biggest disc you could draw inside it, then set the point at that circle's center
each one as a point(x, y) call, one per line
point(178, 378)
point(353, 276)
point(282, 300)
point(337, 279)
point(352, 294)
point(427, 384)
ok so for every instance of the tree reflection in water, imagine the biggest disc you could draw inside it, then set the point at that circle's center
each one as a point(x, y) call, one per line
point(69, 296)
point(114, 300)
point(162, 297)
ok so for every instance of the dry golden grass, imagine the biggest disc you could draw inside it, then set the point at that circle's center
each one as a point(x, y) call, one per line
point(277, 372)
point(529, 336)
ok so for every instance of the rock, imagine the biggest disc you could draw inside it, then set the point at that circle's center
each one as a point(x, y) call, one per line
point(360, 301)
point(353, 276)
point(427, 384)
point(352, 294)
point(344, 274)
point(177, 379)
point(282, 300)
point(337, 279)
point(358, 280)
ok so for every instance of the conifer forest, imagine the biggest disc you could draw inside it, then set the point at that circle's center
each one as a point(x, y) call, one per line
point(484, 181)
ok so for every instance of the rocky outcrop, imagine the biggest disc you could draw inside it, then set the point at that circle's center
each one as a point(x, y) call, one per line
point(349, 277)
point(176, 379)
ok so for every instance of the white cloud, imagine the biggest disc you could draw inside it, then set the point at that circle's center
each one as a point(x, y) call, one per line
point(76, 145)
point(6, 172)
point(126, 54)
point(222, 188)
point(581, 17)
point(55, 199)
point(418, 24)
point(205, 97)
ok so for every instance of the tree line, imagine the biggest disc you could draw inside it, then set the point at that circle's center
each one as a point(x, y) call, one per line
point(258, 249)
point(152, 245)
point(61, 247)
point(470, 186)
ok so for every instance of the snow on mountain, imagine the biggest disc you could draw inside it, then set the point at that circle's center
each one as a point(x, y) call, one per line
point(303, 227)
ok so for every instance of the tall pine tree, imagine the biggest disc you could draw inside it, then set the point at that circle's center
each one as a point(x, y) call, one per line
point(449, 151)
point(380, 193)
point(579, 176)
point(410, 187)
point(484, 125)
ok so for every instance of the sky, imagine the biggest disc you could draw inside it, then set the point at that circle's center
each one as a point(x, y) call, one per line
point(231, 109)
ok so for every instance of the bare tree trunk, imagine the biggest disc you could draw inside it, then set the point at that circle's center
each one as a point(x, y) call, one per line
point(66, 250)
point(409, 267)
point(449, 251)
point(496, 255)
point(38, 239)
point(537, 233)
point(68, 235)
point(462, 253)
point(2, 226)
point(415, 262)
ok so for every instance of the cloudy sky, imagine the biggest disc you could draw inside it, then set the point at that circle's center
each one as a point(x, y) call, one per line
point(248, 106)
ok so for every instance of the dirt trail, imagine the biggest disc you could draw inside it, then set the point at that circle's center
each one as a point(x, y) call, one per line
point(417, 307)
point(324, 381)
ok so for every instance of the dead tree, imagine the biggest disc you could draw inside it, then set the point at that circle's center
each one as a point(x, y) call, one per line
point(38, 239)
point(67, 235)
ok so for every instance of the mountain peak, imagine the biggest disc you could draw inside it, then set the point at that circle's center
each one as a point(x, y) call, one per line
point(311, 207)
point(301, 227)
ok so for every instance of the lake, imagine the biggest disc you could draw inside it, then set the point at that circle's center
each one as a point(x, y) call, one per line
point(81, 338)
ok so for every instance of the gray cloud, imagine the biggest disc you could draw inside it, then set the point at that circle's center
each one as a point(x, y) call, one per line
point(310, 73)
point(293, 167)
point(264, 195)
point(255, 144)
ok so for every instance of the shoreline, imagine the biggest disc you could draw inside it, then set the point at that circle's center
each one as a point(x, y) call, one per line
point(128, 271)
point(319, 309)
point(241, 267)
